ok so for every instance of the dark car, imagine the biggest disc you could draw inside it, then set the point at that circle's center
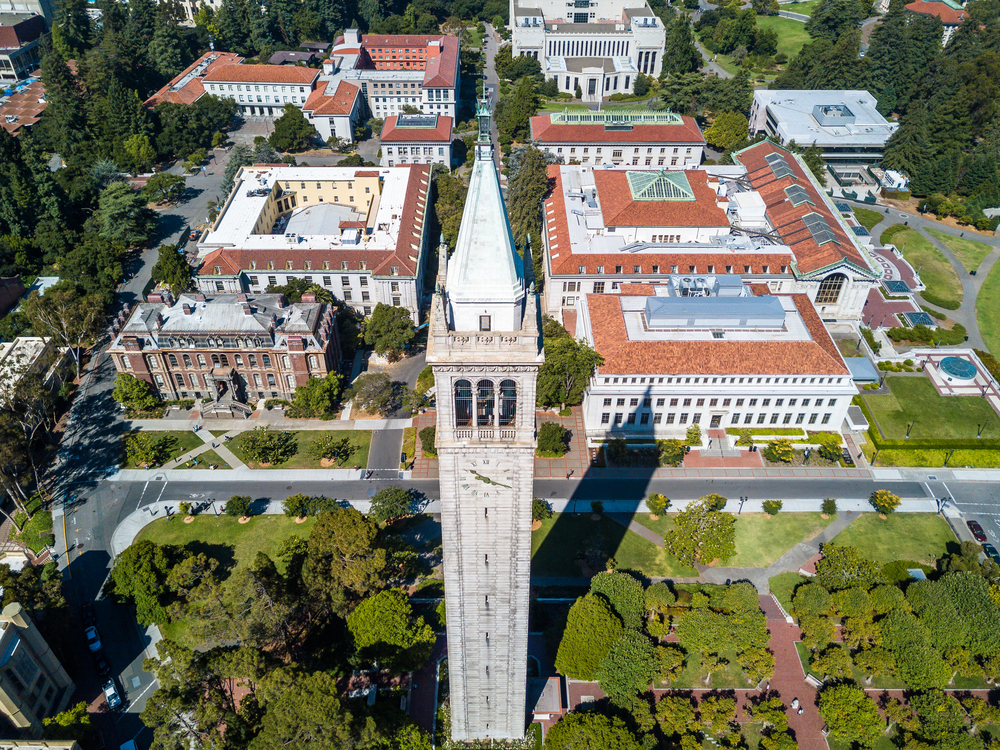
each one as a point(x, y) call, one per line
point(846, 456)
point(991, 552)
point(101, 664)
point(977, 531)
point(87, 613)
point(111, 693)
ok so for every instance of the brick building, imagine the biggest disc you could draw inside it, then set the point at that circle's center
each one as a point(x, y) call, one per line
point(230, 348)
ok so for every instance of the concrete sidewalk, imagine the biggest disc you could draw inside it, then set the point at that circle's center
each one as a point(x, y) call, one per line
point(243, 475)
point(243, 425)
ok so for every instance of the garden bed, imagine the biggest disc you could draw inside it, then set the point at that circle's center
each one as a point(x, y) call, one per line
point(304, 439)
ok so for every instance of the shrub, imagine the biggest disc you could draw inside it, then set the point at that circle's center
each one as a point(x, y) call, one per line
point(694, 435)
point(830, 506)
point(772, 506)
point(884, 501)
point(779, 451)
point(596, 506)
point(745, 439)
point(657, 503)
point(829, 452)
point(239, 506)
point(540, 509)
point(553, 438)
point(184, 508)
point(427, 437)
point(671, 452)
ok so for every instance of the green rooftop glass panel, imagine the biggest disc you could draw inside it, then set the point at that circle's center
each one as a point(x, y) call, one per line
point(659, 186)
point(616, 117)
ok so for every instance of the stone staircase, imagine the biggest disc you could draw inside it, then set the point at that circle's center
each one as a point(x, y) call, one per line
point(720, 446)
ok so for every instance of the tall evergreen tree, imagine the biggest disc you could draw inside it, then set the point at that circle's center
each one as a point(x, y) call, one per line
point(65, 110)
point(684, 56)
point(907, 148)
point(166, 53)
point(71, 30)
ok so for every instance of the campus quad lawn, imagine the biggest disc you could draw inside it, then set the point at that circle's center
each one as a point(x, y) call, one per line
point(935, 270)
point(988, 310)
point(730, 676)
point(360, 439)
point(555, 546)
point(792, 35)
point(923, 537)
point(865, 216)
point(181, 441)
point(759, 541)
point(783, 585)
point(806, 8)
point(969, 252)
point(913, 400)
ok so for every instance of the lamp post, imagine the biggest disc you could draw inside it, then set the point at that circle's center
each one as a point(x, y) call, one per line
point(742, 500)
point(982, 427)
point(948, 457)
point(910, 427)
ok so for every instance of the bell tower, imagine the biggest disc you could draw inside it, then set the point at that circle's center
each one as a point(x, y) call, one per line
point(485, 348)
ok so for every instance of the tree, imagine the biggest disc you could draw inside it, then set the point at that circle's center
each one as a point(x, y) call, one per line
point(70, 318)
point(134, 394)
point(319, 396)
point(172, 269)
point(811, 599)
point(332, 448)
point(758, 664)
point(540, 509)
point(770, 712)
point(303, 710)
point(843, 567)
point(831, 18)
point(164, 187)
point(65, 110)
point(582, 730)
point(553, 438)
point(624, 593)
point(389, 330)
point(717, 713)
point(122, 216)
point(514, 112)
point(657, 503)
point(592, 628)
point(528, 182)
point(729, 130)
point(142, 449)
point(391, 503)
point(773, 507)
point(813, 157)
point(671, 663)
point(702, 631)
point(264, 446)
point(833, 661)
point(628, 669)
point(779, 451)
point(343, 557)
point(139, 576)
point(386, 631)
point(292, 131)
point(294, 288)
point(918, 662)
point(684, 56)
point(243, 155)
point(373, 392)
point(71, 31)
point(71, 724)
point(138, 152)
point(239, 506)
point(566, 372)
point(850, 714)
point(676, 715)
point(427, 437)
point(702, 533)
point(693, 435)
point(884, 501)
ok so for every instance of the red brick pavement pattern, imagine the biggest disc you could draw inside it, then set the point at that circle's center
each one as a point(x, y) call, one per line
point(577, 460)
point(896, 268)
point(878, 311)
point(746, 460)
point(424, 467)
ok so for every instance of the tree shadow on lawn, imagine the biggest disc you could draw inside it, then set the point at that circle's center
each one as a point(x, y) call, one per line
point(225, 554)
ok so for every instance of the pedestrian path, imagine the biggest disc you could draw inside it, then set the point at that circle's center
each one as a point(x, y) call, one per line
point(274, 420)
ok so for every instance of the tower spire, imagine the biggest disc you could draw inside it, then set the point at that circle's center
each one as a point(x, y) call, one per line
point(484, 144)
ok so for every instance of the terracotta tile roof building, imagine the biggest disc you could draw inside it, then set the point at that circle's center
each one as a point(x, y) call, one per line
point(731, 358)
point(24, 107)
point(416, 139)
point(360, 233)
point(949, 15)
point(334, 108)
point(187, 87)
point(658, 139)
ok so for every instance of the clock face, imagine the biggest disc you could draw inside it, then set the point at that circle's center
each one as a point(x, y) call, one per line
point(487, 477)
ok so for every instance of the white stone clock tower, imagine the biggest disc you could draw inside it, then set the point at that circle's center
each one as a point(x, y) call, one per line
point(485, 347)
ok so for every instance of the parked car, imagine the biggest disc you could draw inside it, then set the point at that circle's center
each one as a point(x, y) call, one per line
point(991, 552)
point(846, 455)
point(87, 613)
point(111, 693)
point(101, 664)
point(93, 639)
point(194, 234)
point(977, 531)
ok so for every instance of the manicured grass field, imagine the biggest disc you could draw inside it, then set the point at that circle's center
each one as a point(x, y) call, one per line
point(730, 676)
point(556, 545)
point(969, 252)
point(923, 537)
point(915, 401)
point(988, 310)
point(805, 8)
point(865, 216)
point(360, 439)
point(759, 540)
point(792, 35)
point(205, 461)
point(934, 457)
point(849, 348)
point(935, 270)
point(180, 442)
point(782, 586)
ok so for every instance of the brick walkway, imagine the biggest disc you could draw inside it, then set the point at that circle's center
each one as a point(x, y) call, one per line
point(424, 467)
point(577, 460)
point(746, 460)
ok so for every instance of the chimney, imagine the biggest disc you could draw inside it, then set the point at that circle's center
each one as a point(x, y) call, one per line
point(295, 344)
point(167, 297)
point(200, 297)
point(187, 309)
point(241, 298)
point(154, 297)
point(309, 297)
point(159, 321)
point(247, 310)
point(282, 302)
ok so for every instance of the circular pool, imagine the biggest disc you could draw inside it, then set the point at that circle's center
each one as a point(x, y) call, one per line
point(958, 368)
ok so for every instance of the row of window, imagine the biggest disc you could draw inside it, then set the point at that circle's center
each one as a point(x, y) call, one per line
point(721, 380)
point(415, 150)
point(332, 185)
point(239, 87)
point(220, 360)
point(617, 152)
point(480, 405)
point(344, 280)
point(656, 268)
point(307, 266)
point(267, 98)
point(714, 402)
point(682, 418)
point(195, 385)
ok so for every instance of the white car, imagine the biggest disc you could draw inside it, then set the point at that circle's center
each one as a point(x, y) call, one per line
point(93, 639)
point(111, 693)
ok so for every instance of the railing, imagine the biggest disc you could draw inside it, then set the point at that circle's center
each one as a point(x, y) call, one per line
point(485, 434)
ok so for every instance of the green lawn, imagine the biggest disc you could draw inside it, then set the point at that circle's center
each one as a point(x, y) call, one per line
point(913, 400)
point(731, 676)
point(988, 310)
point(759, 541)
point(936, 271)
point(178, 443)
point(969, 252)
point(224, 538)
point(849, 348)
point(792, 35)
point(805, 8)
point(360, 439)
point(555, 548)
point(922, 537)
point(782, 586)
point(205, 461)
point(865, 216)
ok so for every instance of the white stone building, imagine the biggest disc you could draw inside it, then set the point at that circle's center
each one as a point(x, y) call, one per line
point(359, 232)
point(730, 358)
point(335, 110)
point(845, 125)
point(657, 139)
point(416, 139)
point(262, 90)
point(598, 45)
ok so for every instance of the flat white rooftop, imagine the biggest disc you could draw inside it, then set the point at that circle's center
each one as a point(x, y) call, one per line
point(841, 117)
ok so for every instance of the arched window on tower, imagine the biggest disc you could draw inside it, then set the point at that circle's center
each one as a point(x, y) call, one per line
point(463, 403)
point(508, 402)
point(485, 403)
point(830, 288)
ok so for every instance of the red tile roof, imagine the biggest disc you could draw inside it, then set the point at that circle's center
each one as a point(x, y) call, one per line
point(562, 260)
point(440, 70)
point(440, 133)
point(341, 102)
point(21, 32)
point(787, 219)
point(286, 74)
point(25, 106)
point(544, 131)
point(193, 90)
point(621, 210)
point(405, 256)
point(948, 15)
point(622, 356)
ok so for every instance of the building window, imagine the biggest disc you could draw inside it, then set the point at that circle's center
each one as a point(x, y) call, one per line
point(684, 418)
point(736, 418)
point(631, 418)
point(761, 418)
point(484, 322)
point(829, 289)
point(618, 418)
point(605, 418)
point(812, 418)
point(645, 418)
point(799, 418)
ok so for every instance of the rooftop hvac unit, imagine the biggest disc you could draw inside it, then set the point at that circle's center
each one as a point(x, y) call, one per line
point(687, 282)
point(291, 238)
